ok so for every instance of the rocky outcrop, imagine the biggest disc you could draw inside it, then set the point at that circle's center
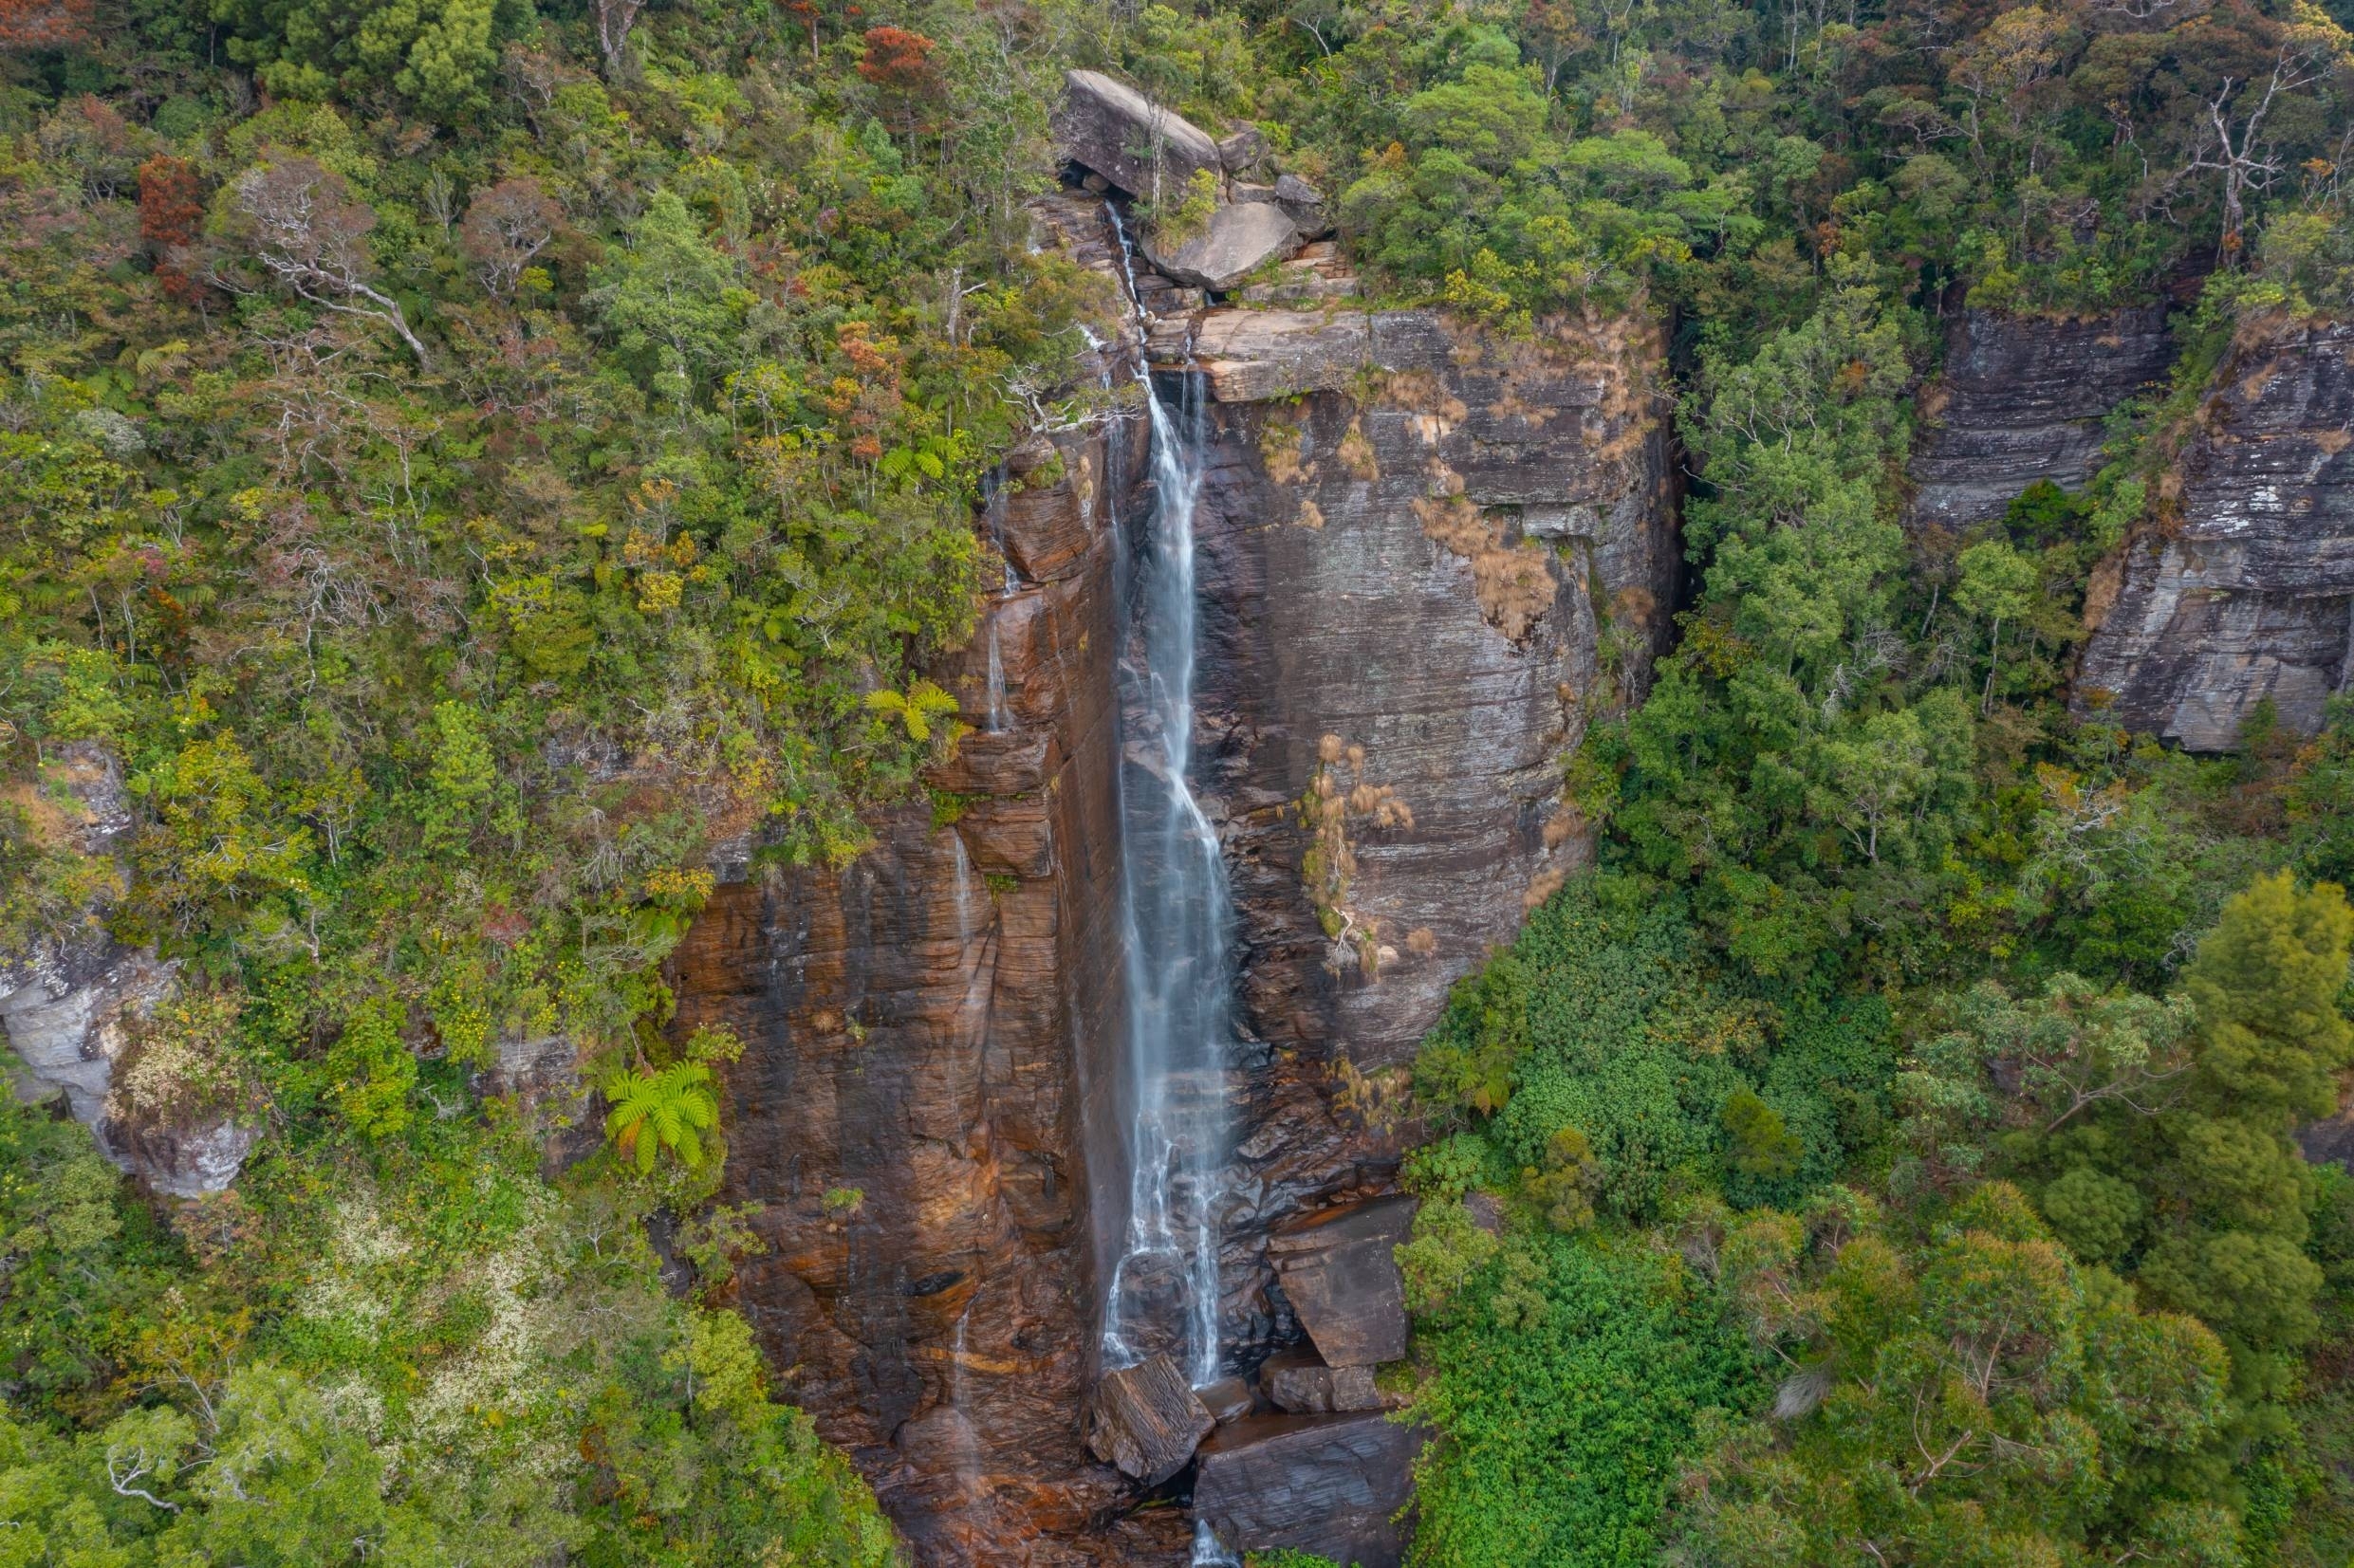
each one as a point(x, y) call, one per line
point(1339, 1270)
point(1239, 238)
point(913, 1111)
point(69, 1002)
point(1145, 1420)
point(1141, 148)
point(1299, 1381)
point(2022, 399)
point(2239, 586)
point(1427, 557)
point(1329, 1484)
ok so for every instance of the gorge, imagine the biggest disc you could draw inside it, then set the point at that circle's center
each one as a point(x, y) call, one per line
point(1046, 786)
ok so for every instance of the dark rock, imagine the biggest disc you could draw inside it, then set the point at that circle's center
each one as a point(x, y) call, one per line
point(1299, 1381)
point(2022, 399)
point(2245, 590)
point(1241, 238)
point(1243, 152)
point(1339, 1270)
point(1228, 1399)
point(1145, 1420)
point(1322, 1483)
point(1142, 148)
point(1305, 205)
point(1486, 1211)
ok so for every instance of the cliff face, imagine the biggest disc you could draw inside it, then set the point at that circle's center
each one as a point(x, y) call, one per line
point(2022, 399)
point(924, 1035)
point(1426, 558)
point(2242, 586)
point(1443, 552)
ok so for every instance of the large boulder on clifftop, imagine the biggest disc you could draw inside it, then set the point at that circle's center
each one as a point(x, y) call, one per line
point(1140, 146)
point(1241, 236)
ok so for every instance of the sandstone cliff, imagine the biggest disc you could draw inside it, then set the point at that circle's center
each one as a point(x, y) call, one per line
point(2239, 586)
point(2022, 399)
point(1425, 560)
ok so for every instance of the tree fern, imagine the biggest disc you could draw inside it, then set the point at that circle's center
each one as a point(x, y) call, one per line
point(653, 1111)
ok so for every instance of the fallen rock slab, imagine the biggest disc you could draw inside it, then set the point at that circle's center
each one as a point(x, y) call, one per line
point(1241, 237)
point(1324, 1483)
point(1228, 1399)
point(1138, 145)
point(1147, 1420)
point(1339, 1268)
point(1299, 1382)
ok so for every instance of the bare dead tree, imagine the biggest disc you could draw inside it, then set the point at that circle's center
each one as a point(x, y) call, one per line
point(505, 226)
point(614, 19)
point(2234, 144)
point(303, 228)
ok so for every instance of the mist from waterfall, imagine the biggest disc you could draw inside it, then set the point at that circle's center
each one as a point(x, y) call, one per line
point(1178, 920)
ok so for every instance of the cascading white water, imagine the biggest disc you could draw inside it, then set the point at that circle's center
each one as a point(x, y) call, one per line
point(1179, 920)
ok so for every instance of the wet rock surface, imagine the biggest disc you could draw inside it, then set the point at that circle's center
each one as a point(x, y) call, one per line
point(1145, 1420)
point(1321, 1483)
point(2242, 587)
point(2022, 399)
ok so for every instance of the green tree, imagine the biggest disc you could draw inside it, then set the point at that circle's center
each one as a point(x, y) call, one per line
point(653, 1110)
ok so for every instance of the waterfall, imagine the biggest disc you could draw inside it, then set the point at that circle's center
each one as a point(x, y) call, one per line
point(1178, 920)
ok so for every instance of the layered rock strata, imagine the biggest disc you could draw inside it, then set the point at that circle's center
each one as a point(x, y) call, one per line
point(2023, 400)
point(2239, 586)
point(919, 1112)
point(1428, 556)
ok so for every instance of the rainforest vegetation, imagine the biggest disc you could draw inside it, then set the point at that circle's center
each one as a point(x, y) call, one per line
point(463, 460)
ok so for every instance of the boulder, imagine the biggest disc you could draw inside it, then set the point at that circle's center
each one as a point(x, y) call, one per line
point(1241, 237)
point(1339, 1270)
point(1117, 131)
point(1324, 1483)
point(1303, 205)
point(1228, 1399)
point(1244, 151)
point(1145, 1420)
point(1299, 1381)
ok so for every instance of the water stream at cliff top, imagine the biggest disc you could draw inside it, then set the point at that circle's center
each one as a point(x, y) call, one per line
point(1178, 920)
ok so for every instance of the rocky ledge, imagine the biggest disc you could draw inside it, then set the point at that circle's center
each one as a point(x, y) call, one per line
point(2238, 587)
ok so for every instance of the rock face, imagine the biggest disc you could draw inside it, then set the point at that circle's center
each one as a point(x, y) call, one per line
point(1137, 145)
point(923, 1032)
point(1444, 552)
point(1299, 1382)
point(2242, 586)
point(1145, 1420)
point(1319, 1484)
point(1241, 237)
point(66, 1004)
point(2022, 399)
point(1339, 1270)
point(1426, 559)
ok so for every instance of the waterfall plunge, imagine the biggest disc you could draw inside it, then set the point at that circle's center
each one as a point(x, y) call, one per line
point(1178, 920)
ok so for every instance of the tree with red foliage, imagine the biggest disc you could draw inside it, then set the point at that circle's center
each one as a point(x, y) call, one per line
point(900, 64)
point(44, 23)
point(170, 202)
